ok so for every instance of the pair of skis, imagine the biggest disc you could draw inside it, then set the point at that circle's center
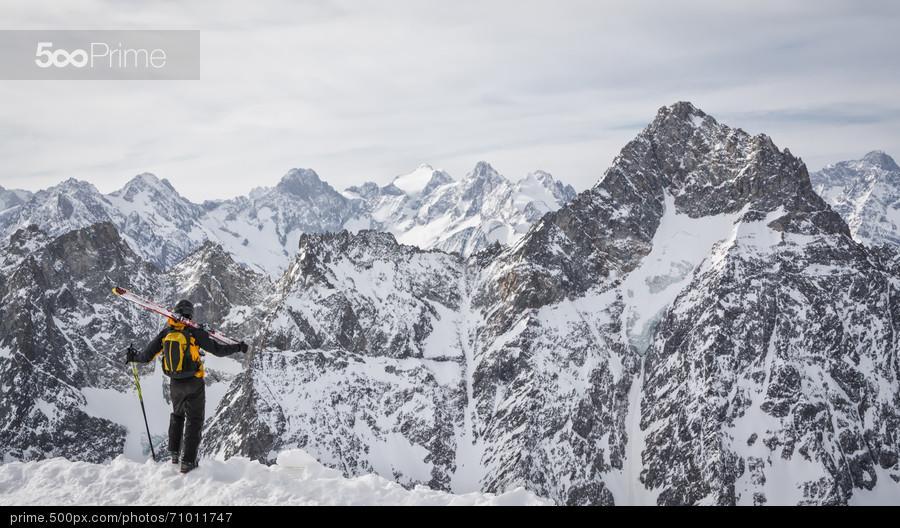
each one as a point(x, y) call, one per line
point(165, 312)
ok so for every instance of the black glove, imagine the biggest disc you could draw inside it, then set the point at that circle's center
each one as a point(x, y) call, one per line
point(243, 347)
point(130, 354)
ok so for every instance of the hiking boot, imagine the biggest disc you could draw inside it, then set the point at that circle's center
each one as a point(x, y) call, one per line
point(187, 466)
point(175, 457)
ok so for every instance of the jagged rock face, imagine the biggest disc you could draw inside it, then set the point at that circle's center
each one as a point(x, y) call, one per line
point(866, 193)
point(762, 373)
point(697, 328)
point(157, 222)
point(358, 362)
point(428, 209)
point(60, 336)
point(768, 246)
point(708, 168)
point(225, 294)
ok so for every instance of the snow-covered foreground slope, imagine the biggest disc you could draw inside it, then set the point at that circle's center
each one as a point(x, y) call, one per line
point(295, 480)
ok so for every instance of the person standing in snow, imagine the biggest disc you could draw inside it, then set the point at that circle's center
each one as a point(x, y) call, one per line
point(180, 345)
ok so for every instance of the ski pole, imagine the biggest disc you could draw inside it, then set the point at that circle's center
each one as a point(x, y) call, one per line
point(137, 382)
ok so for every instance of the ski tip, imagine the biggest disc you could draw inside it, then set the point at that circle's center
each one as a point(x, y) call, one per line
point(118, 291)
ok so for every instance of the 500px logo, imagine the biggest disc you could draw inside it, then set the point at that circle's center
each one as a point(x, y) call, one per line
point(101, 54)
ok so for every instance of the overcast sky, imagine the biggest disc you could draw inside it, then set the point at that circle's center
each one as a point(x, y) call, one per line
point(366, 90)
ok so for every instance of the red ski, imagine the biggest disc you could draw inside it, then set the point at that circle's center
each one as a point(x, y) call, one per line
point(165, 312)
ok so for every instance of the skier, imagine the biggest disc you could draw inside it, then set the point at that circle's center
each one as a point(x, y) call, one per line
point(180, 347)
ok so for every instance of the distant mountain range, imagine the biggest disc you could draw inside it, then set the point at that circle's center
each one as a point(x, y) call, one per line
point(426, 208)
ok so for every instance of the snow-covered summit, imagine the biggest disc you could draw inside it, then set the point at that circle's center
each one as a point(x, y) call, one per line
point(429, 209)
point(880, 159)
point(421, 181)
point(143, 182)
point(71, 204)
point(304, 183)
point(295, 480)
point(699, 273)
point(866, 193)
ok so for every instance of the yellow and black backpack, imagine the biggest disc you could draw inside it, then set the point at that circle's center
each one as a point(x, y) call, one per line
point(181, 354)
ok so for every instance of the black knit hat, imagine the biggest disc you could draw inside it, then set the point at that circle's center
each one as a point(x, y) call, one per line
point(185, 308)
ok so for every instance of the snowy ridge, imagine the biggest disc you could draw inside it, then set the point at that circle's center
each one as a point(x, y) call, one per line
point(424, 208)
point(428, 209)
point(866, 193)
point(295, 480)
point(156, 221)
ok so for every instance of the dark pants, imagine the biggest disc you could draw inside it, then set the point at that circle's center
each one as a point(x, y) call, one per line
point(188, 402)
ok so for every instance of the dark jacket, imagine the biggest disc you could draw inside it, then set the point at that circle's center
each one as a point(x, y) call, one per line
point(199, 338)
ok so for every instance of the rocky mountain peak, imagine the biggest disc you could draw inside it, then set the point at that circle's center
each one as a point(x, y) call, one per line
point(210, 250)
point(683, 111)
point(80, 250)
point(881, 160)
point(74, 184)
point(483, 171)
point(365, 191)
point(211, 278)
point(304, 183)
point(541, 176)
point(323, 243)
point(481, 181)
point(438, 178)
point(145, 182)
point(707, 168)
point(866, 193)
point(710, 167)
